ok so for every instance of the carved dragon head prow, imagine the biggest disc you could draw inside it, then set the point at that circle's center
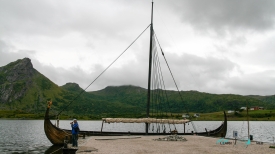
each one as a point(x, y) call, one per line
point(49, 103)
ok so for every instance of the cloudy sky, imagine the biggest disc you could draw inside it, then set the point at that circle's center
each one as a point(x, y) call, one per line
point(213, 46)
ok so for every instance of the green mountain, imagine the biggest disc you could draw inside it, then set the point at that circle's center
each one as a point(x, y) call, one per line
point(24, 90)
point(193, 101)
point(267, 99)
point(73, 87)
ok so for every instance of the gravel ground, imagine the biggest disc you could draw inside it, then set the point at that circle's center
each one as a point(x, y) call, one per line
point(149, 144)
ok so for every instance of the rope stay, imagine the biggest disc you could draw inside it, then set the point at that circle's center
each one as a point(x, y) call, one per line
point(157, 94)
point(174, 80)
point(158, 87)
point(156, 84)
point(104, 70)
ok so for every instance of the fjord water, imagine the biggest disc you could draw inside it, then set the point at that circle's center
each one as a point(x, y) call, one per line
point(27, 136)
point(22, 136)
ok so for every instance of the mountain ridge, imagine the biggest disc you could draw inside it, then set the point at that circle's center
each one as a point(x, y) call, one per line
point(24, 88)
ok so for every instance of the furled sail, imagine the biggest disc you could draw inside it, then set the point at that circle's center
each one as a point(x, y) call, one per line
point(144, 120)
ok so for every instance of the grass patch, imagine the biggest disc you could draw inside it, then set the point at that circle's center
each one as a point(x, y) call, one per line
point(259, 115)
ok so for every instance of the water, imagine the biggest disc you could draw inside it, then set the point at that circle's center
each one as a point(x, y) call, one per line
point(27, 136)
point(22, 136)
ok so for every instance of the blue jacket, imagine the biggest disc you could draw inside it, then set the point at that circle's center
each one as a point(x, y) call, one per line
point(74, 128)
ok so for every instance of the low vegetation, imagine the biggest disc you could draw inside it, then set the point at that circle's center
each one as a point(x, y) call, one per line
point(256, 115)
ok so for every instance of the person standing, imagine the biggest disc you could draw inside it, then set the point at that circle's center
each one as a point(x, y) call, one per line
point(75, 129)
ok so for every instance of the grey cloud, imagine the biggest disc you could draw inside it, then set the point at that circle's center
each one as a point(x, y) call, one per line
point(125, 75)
point(191, 73)
point(214, 76)
point(237, 40)
point(227, 15)
point(105, 24)
point(262, 56)
point(28, 17)
point(261, 83)
point(198, 73)
point(265, 53)
point(58, 18)
point(61, 76)
point(8, 53)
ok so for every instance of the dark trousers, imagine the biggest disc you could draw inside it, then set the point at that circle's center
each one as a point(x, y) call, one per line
point(75, 138)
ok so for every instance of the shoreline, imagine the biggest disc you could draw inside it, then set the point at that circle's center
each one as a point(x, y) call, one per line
point(101, 120)
point(148, 144)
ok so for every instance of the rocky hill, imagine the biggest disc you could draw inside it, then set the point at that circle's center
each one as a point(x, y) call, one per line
point(15, 80)
point(23, 88)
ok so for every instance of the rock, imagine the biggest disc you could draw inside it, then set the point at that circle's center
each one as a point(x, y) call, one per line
point(171, 138)
point(15, 79)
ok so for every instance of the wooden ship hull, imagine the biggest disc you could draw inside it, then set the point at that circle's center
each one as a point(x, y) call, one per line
point(219, 132)
point(55, 135)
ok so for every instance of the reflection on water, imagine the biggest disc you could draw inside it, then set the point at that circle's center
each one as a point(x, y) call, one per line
point(27, 136)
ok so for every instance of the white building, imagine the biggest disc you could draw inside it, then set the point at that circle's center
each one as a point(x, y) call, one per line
point(230, 111)
point(243, 108)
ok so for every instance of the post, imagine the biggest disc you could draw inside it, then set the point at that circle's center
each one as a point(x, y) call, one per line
point(184, 128)
point(235, 135)
point(101, 126)
point(247, 122)
point(57, 122)
point(66, 142)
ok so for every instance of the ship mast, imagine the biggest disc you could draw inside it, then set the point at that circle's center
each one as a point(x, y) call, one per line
point(150, 67)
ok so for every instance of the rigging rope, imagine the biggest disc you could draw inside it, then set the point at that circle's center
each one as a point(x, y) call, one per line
point(159, 90)
point(174, 79)
point(158, 83)
point(169, 69)
point(163, 85)
point(104, 70)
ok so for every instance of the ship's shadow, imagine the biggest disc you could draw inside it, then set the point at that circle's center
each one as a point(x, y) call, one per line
point(56, 149)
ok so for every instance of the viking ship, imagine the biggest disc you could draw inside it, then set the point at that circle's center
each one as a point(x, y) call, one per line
point(57, 135)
